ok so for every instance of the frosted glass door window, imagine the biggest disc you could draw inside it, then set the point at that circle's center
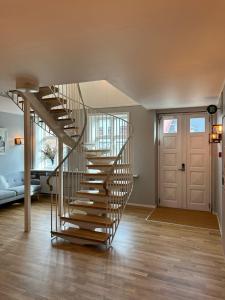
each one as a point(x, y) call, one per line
point(170, 126)
point(197, 125)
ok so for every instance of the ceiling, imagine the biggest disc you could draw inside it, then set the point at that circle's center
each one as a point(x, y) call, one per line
point(102, 94)
point(163, 54)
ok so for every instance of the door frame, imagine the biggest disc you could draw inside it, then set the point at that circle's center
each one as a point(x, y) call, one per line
point(171, 112)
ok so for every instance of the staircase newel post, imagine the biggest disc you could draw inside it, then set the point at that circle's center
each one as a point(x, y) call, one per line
point(60, 191)
point(27, 166)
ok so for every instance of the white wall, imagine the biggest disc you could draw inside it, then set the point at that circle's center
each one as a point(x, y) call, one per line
point(8, 106)
point(218, 172)
point(145, 155)
point(222, 170)
point(217, 176)
point(13, 159)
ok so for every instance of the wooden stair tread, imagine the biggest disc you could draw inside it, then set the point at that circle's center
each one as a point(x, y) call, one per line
point(100, 194)
point(46, 90)
point(91, 192)
point(75, 135)
point(50, 100)
point(107, 165)
point(55, 110)
point(94, 182)
point(101, 157)
point(90, 235)
point(71, 127)
point(59, 112)
point(100, 182)
point(95, 174)
point(65, 122)
point(97, 150)
point(65, 119)
point(94, 205)
point(92, 173)
point(88, 219)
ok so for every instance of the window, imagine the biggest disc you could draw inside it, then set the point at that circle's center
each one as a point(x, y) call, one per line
point(197, 125)
point(107, 132)
point(45, 142)
point(170, 126)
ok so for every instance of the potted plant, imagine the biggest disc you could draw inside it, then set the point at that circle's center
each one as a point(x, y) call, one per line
point(49, 153)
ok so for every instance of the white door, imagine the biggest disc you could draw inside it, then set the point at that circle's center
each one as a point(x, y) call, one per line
point(170, 157)
point(198, 162)
point(184, 161)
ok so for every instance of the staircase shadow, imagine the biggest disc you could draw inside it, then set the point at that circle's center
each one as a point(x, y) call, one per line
point(90, 250)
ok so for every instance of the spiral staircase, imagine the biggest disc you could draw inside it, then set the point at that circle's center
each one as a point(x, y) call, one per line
point(91, 185)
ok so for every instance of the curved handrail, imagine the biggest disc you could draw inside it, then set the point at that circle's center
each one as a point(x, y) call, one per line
point(76, 143)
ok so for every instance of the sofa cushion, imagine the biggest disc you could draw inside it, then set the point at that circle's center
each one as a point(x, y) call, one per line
point(35, 188)
point(35, 181)
point(3, 183)
point(14, 179)
point(20, 189)
point(6, 194)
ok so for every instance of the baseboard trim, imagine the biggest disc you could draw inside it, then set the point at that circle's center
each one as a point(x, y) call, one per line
point(216, 214)
point(141, 205)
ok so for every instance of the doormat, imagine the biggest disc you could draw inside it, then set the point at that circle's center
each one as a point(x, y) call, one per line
point(201, 219)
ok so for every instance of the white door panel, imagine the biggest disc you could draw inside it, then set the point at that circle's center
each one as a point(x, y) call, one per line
point(198, 170)
point(184, 140)
point(170, 179)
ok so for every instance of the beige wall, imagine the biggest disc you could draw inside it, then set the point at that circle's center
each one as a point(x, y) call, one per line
point(13, 158)
point(145, 155)
point(222, 206)
point(217, 173)
point(8, 106)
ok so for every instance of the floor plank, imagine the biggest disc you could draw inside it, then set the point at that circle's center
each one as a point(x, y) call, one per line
point(148, 261)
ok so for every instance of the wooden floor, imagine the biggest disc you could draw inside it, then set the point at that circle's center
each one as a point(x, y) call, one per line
point(148, 261)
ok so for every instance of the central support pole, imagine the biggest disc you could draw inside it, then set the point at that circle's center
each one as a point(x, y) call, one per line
point(27, 167)
point(60, 158)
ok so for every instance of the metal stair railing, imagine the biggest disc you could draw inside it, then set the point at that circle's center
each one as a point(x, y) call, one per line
point(17, 98)
point(119, 186)
point(105, 132)
point(64, 174)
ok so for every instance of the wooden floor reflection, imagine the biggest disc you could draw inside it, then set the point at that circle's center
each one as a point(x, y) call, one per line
point(147, 261)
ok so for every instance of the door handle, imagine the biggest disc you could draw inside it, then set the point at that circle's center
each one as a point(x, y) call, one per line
point(182, 167)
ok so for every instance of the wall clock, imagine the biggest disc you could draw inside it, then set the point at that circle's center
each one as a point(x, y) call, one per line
point(212, 109)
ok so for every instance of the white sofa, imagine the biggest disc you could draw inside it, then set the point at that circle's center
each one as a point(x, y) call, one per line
point(12, 187)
